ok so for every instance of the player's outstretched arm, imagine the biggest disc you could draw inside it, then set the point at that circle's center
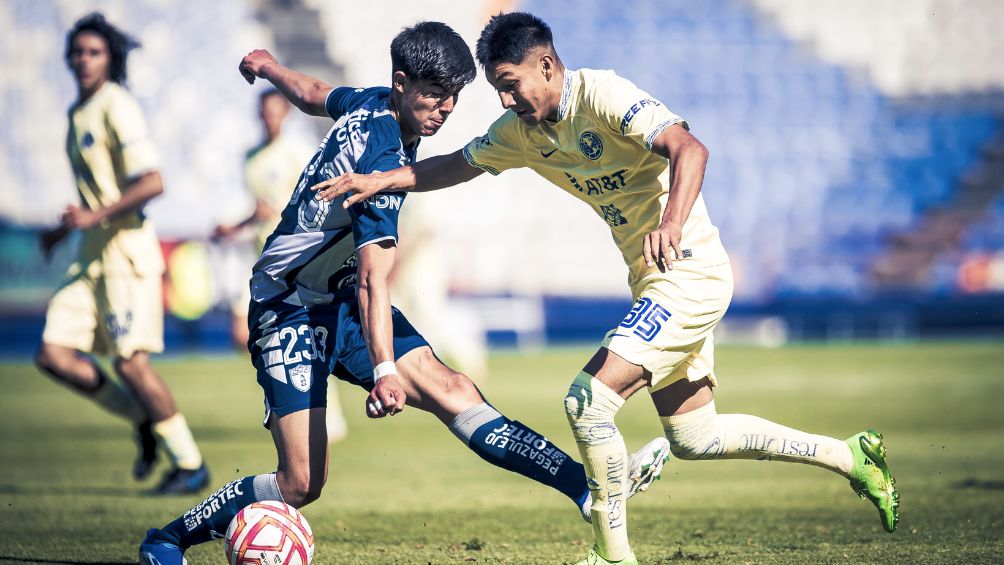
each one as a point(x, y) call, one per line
point(687, 157)
point(375, 263)
point(433, 173)
point(304, 91)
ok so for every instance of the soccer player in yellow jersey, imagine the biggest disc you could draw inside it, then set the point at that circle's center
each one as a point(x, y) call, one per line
point(271, 169)
point(111, 301)
point(624, 154)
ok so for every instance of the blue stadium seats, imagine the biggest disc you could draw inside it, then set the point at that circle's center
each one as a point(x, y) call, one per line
point(810, 165)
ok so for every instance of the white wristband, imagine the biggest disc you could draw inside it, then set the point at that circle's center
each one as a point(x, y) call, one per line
point(384, 369)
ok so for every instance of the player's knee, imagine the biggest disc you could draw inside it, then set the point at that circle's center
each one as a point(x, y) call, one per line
point(684, 449)
point(460, 386)
point(44, 359)
point(50, 359)
point(694, 435)
point(300, 488)
point(133, 367)
point(591, 407)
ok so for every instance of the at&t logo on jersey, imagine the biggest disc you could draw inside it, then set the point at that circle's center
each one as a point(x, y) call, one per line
point(591, 145)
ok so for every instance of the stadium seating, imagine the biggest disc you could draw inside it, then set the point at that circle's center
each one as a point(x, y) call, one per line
point(202, 119)
point(811, 166)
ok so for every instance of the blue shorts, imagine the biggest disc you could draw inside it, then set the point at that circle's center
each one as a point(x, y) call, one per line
point(294, 349)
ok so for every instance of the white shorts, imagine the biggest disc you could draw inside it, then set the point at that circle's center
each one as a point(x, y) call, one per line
point(669, 329)
point(108, 315)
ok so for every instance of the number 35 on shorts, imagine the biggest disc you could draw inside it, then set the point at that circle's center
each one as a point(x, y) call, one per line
point(646, 318)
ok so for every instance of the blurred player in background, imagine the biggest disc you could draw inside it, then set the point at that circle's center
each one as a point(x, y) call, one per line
point(610, 144)
point(321, 301)
point(420, 286)
point(271, 168)
point(112, 302)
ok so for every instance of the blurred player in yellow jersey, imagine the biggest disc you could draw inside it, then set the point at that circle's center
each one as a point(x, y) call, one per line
point(111, 302)
point(635, 163)
point(271, 170)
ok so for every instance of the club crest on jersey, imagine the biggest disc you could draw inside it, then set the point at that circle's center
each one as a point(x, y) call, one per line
point(613, 216)
point(591, 145)
point(482, 142)
point(299, 377)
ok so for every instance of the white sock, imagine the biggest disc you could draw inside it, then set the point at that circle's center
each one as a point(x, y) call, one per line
point(176, 439)
point(591, 407)
point(705, 434)
point(266, 487)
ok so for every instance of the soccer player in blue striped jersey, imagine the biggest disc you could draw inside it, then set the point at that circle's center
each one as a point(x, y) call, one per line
point(320, 301)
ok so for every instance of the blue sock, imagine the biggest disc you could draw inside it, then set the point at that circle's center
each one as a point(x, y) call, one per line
point(514, 446)
point(209, 519)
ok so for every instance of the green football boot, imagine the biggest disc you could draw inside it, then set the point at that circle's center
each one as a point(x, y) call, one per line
point(871, 479)
point(594, 558)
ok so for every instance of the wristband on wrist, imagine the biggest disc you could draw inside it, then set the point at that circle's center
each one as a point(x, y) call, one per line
point(384, 369)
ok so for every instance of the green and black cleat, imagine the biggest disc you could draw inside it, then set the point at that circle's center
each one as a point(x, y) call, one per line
point(871, 479)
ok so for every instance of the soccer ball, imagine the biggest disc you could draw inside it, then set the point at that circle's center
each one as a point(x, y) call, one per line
point(269, 533)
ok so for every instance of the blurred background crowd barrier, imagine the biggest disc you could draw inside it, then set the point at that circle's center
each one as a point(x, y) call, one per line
point(856, 172)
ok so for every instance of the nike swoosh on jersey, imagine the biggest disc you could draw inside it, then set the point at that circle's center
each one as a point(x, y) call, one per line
point(546, 155)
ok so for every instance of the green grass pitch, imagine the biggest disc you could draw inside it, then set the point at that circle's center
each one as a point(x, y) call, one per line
point(403, 490)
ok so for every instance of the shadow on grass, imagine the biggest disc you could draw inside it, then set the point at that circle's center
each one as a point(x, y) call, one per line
point(978, 484)
point(18, 559)
point(81, 490)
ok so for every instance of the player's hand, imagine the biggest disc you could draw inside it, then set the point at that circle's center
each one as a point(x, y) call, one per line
point(77, 218)
point(50, 238)
point(386, 398)
point(252, 64)
point(658, 244)
point(361, 186)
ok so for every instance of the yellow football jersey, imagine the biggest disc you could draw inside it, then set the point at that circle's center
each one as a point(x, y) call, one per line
point(271, 172)
point(599, 150)
point(109, 147)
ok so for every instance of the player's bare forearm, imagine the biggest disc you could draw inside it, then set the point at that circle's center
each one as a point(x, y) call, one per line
point(688, 177)
point(143, 189)
point(688, 158)
point(373, 290)
point(305, 92)
point(434, 173)
point(140, 191)
point(375, 263)
point(262, 213)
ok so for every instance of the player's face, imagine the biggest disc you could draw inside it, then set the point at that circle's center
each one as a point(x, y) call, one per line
point(527, 88)
point(274, 110)
point(89, 60)
point(425, 106)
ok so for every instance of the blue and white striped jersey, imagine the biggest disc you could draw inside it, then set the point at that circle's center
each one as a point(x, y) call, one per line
point(310, 258)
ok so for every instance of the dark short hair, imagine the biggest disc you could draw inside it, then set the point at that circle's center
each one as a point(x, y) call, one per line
point(432, 51)
point(271, 91)
point(119, 42)
point(509, 38)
